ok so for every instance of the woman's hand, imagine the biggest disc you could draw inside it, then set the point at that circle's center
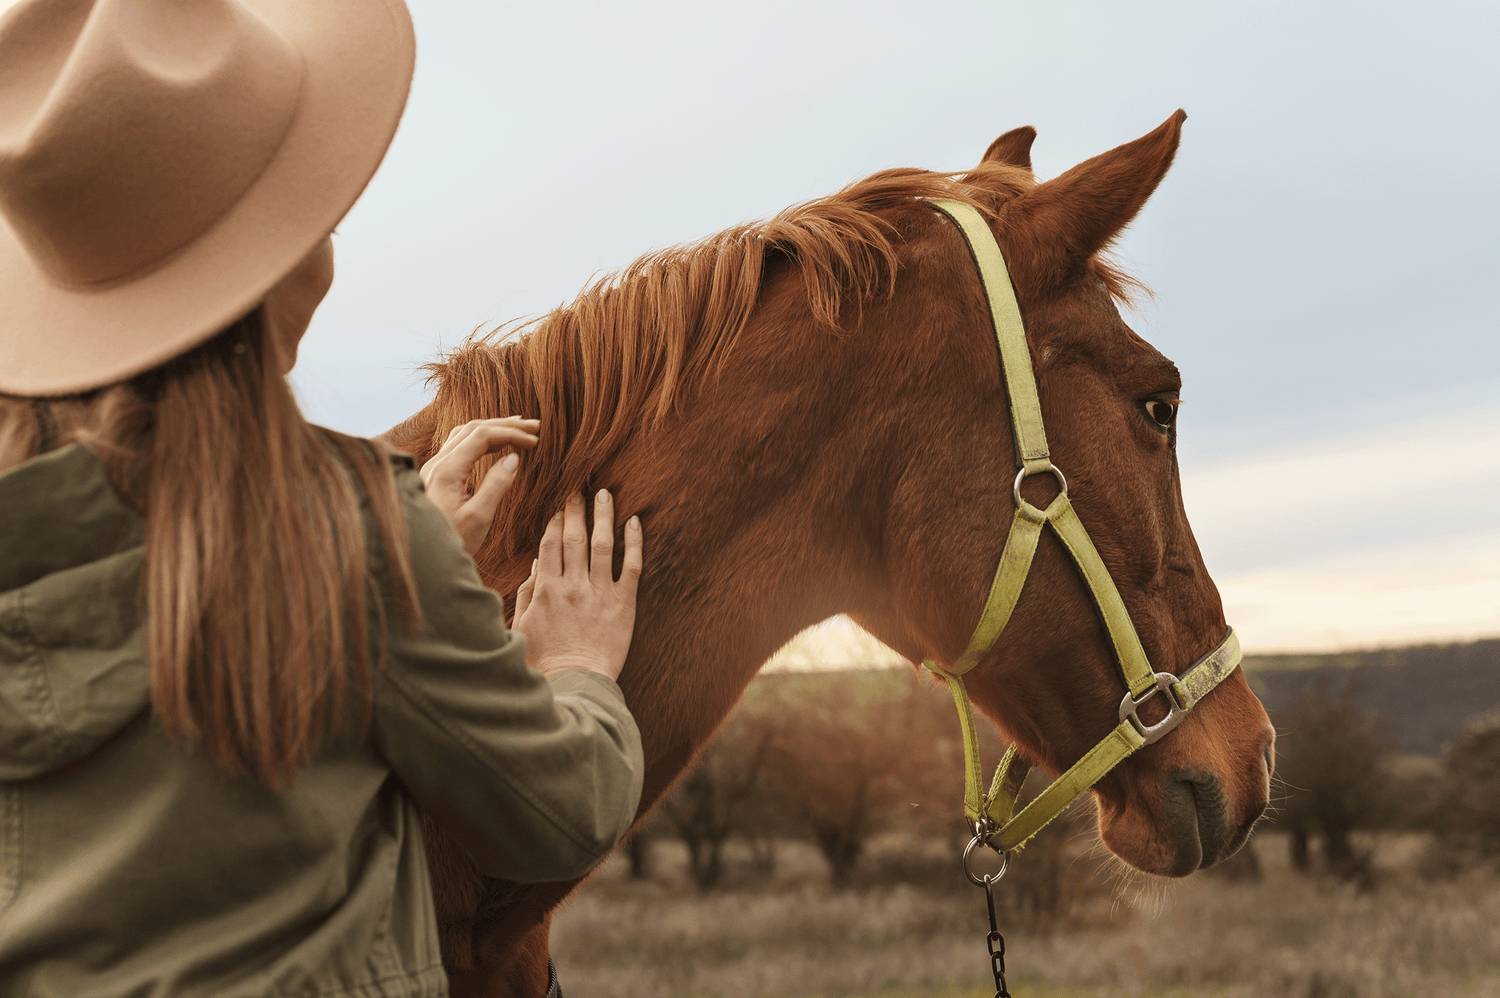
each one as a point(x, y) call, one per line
point(446, 473)
point(572, 611)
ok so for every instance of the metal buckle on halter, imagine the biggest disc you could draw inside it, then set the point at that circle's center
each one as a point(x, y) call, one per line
point(1151, 732)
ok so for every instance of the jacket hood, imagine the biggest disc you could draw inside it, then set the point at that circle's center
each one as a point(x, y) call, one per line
point(72, 667)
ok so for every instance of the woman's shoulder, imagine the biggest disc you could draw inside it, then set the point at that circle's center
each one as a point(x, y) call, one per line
point(360, 456)
point(454, 602)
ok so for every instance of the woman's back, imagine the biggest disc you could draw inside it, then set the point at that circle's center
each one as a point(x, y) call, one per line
point(132, 863)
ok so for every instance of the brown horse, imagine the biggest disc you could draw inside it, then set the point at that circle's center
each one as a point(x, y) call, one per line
point(809, 418)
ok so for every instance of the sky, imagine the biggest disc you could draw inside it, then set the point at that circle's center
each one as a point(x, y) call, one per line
point(1322, 252)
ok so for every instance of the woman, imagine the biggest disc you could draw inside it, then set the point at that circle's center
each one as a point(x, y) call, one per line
point(238, 652)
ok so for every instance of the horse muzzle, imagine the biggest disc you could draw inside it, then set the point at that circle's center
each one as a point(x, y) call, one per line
point(1193, 816)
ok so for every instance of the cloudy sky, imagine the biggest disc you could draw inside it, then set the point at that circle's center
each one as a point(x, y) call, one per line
point(1323, 250)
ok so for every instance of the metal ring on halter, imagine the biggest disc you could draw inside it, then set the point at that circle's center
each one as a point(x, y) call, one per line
point(988, 878)
point(1062, 483)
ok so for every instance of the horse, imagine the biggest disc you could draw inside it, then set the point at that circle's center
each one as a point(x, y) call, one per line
point(809, 418)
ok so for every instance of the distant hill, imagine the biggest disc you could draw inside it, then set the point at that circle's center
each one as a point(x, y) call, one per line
point(1428, 691)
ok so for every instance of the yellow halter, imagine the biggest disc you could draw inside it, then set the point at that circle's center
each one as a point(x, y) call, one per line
point(992, 812)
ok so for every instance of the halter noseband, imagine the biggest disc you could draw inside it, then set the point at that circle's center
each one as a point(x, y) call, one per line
point(993, 812)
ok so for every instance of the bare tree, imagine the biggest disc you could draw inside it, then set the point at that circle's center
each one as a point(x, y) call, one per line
point(1467, 811)
point(637, 849)
point(703, 808)
point(1331, 763)
point(859, 749)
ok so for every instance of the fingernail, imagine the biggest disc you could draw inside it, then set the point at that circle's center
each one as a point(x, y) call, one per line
point(509, 462)
point(603, 496)
point(635, 523)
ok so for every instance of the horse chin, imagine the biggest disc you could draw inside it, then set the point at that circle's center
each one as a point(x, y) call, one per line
point(1182, 824)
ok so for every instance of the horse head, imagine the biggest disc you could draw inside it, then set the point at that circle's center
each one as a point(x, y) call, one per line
point(1109, 401)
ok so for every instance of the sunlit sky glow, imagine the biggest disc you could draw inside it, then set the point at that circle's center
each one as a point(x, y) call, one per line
point(1322, 251)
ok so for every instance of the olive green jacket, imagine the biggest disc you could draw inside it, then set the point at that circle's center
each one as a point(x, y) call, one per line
point(131, 865)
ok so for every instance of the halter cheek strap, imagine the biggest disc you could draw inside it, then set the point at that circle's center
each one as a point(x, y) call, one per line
point(993, 811)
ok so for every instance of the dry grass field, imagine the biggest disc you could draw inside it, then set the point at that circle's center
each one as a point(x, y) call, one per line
point(900, 933)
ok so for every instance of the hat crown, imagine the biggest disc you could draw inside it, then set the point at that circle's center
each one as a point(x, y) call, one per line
point(128, 127)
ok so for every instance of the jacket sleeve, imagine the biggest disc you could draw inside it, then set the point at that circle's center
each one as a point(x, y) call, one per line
point(537, 778)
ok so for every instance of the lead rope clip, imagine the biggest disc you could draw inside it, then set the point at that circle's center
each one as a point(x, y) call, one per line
point(994, 941)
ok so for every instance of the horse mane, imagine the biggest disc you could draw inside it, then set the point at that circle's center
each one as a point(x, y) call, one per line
point(636, 344)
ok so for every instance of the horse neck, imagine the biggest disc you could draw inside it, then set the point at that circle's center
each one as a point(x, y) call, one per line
point(762, 503)
point(750, 537)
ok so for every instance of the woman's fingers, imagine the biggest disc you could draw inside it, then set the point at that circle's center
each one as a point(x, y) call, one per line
point(496, 481)
point(482, 440)
point(550, 555)
point(578, 617)
point(523, 595)
point(444, 454)
point(467, 442)
point(575, 539)
point(446, 474)
point(601, 567)
point(630, 571)
point(564, 551)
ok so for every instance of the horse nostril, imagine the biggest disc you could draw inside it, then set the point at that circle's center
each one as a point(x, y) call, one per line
point(1269, 751)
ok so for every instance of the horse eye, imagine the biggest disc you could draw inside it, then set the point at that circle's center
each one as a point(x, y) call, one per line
point(1163, 413)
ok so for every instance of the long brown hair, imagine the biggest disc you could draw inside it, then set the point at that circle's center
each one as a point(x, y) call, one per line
point(258, 585)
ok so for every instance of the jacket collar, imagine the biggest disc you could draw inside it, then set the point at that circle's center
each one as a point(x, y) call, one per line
point(58, 511)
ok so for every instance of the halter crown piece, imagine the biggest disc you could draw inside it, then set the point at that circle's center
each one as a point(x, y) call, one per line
point(993, 812)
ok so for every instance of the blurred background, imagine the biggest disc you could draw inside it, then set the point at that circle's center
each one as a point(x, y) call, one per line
point(1323, 257)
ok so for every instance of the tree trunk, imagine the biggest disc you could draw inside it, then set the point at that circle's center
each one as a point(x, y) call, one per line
point(708, 864)
point(705, 858)
point(763, 855)
point(638, 849)
point(1338, 854)
point(841, 847)
point(1299, 848)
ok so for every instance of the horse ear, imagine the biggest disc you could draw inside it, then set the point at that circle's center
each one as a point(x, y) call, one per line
point(1013, 148)
point(1073, 216)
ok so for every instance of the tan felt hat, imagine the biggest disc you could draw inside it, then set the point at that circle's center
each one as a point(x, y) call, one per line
point(163, 163)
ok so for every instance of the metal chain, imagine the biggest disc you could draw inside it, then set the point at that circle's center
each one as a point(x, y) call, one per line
point(995, 941)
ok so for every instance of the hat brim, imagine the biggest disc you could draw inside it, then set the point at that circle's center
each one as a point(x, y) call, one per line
point(358, 57)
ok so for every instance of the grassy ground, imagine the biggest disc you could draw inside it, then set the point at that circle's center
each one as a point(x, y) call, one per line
point(791, 936)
